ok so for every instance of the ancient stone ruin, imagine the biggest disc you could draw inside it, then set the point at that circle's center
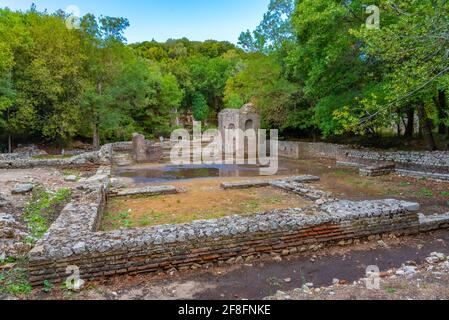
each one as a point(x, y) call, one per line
point(245, 118)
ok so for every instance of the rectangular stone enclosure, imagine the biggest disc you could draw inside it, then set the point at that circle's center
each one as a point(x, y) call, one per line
point(73, 240)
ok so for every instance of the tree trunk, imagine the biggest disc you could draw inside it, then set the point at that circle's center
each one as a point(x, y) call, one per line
point(96, 136)
point(217, 104)
point(410, 127)
point(96, 129)
point(426, 125)
point(442, 112)
point(9, 143)
point(9, 133)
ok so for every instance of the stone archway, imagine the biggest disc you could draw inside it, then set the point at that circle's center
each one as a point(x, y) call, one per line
point(249, 124)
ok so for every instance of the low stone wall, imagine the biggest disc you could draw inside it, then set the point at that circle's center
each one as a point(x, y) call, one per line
point(13, 156)
point(101, 157)
point(122, 146)
point(226, 241)
point(421, 164)
point(77, 161)
point(308, 150)
point(437, 161)
point(73, 239)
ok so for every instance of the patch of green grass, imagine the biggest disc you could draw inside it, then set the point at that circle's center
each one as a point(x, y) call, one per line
point(425, 192)
point(124, 220)
point(15, 282)
point(119, 220)
point(42, 208)
point(252, 205)
point(7, 260)
point(274, 200)
point(48, 286)
point(144, 221)
point(445, 194)
point(405, 184)
point(390, 290)
point(50, 157)
point(340, 172)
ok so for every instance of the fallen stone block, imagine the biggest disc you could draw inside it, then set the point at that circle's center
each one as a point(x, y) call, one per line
point(303, 179)
point(22, 188)
point(378, 170)
point(266, 183)
point(302, 189)
point(148, 191)
point(344, 164)
point(71, 178)
point(246, 184)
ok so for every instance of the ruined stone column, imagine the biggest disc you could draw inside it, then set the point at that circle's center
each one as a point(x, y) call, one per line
point(139, 148)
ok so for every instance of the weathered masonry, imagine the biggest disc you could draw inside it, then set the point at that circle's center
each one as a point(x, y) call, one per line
point(74, 239)
point(418, 164)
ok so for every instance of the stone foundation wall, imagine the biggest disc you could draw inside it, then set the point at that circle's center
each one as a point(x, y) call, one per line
point(73, 239)
point(140, 255)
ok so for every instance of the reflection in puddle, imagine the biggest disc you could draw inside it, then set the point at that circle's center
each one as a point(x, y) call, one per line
point(171, 173)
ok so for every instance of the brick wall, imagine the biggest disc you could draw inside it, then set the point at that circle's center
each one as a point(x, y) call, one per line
point(156, 258)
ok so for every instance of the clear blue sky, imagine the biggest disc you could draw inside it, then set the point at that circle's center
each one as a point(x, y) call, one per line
point(163, 19)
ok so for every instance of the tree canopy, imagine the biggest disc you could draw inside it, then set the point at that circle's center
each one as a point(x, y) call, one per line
point(314, 68)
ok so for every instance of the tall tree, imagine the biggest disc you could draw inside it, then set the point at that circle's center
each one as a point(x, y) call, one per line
point(274, 29)
point(106, 52)
point(14, 37)
point(413, 45)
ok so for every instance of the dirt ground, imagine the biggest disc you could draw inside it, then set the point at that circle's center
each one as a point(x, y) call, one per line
point(205, 199)
point(50, 179)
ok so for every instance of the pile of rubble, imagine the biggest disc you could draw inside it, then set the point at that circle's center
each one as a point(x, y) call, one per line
point(13, 233)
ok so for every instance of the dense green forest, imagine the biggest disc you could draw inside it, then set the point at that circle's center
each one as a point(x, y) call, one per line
point(312, 67)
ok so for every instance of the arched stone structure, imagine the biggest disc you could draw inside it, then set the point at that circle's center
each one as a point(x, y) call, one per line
point(245, 119)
